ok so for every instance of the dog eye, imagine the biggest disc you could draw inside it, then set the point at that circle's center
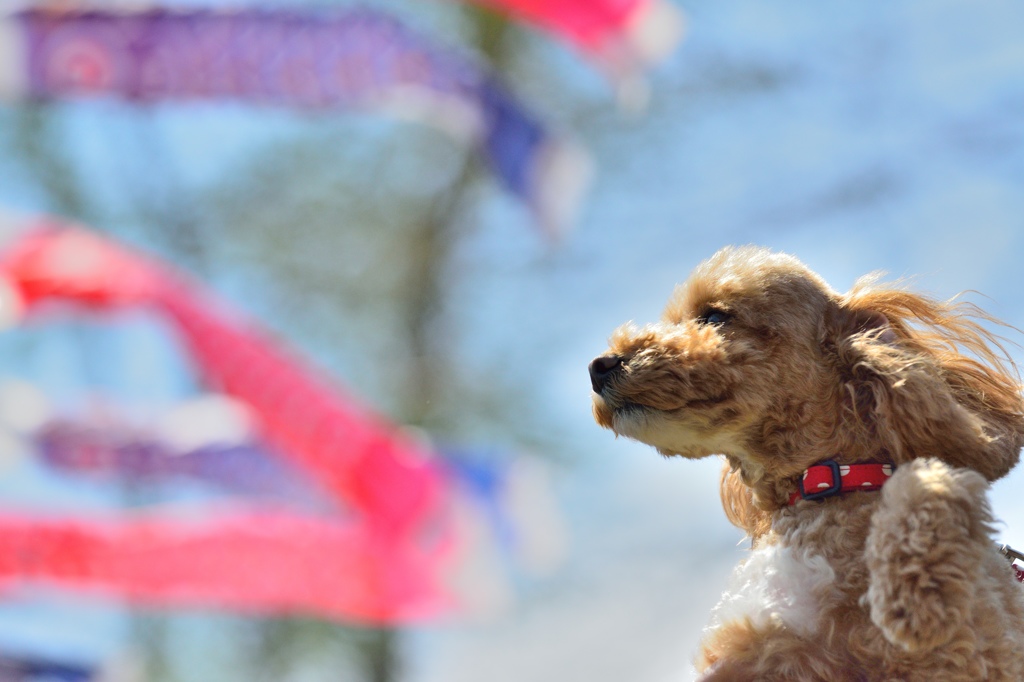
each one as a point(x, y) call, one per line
point(714, 317)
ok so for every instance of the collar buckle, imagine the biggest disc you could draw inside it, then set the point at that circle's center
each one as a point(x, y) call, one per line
point(834, 489)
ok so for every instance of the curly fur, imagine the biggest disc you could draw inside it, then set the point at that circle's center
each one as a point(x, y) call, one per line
point(902, 584)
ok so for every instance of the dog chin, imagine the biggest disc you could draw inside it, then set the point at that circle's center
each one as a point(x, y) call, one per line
point(668, 433)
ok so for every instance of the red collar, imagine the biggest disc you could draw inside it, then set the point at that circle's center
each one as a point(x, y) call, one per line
point(829, 478)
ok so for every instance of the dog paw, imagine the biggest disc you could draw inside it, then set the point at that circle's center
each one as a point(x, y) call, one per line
point(923, 549)
point(922, 627)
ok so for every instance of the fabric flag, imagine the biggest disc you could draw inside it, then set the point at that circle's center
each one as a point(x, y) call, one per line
point(36, 669)
point(350, 451)
point(364, 461)
point(409, 548)
point(112, 450)
point(256, 562)
point(514, 494)
point(624, 36)
point(319, 61)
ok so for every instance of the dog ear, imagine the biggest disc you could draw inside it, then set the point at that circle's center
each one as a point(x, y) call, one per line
point(738, 503)
point(923, 378)
point(873, 325)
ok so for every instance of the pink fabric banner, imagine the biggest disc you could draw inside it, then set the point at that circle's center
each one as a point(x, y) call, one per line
point(625, 36)
point(258, 562)
point(352, 452)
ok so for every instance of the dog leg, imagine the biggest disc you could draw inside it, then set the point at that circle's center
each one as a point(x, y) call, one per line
point(925, 546)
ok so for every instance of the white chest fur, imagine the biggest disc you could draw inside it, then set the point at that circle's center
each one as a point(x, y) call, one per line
point(777, 586)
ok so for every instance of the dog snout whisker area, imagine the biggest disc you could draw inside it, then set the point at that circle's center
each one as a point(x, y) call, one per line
point(602, 369)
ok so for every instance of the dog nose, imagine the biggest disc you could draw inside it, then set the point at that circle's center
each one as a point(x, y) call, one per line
point(601, 370)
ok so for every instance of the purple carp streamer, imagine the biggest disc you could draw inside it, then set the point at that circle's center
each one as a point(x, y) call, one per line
point(304, 60)
point(243, 469)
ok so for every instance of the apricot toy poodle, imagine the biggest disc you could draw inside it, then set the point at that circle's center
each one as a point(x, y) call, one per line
point(860, 433)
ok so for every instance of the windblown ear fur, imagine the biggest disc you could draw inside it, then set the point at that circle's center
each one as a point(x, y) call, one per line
point(927, 380)
point(738, 503)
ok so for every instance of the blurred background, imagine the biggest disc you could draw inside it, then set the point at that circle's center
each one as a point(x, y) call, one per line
point(393, 257)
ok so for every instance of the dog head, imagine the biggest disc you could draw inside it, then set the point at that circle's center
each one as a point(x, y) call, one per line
point(756, 358)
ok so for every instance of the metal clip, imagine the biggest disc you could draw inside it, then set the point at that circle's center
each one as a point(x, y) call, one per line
point(1010, 553)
